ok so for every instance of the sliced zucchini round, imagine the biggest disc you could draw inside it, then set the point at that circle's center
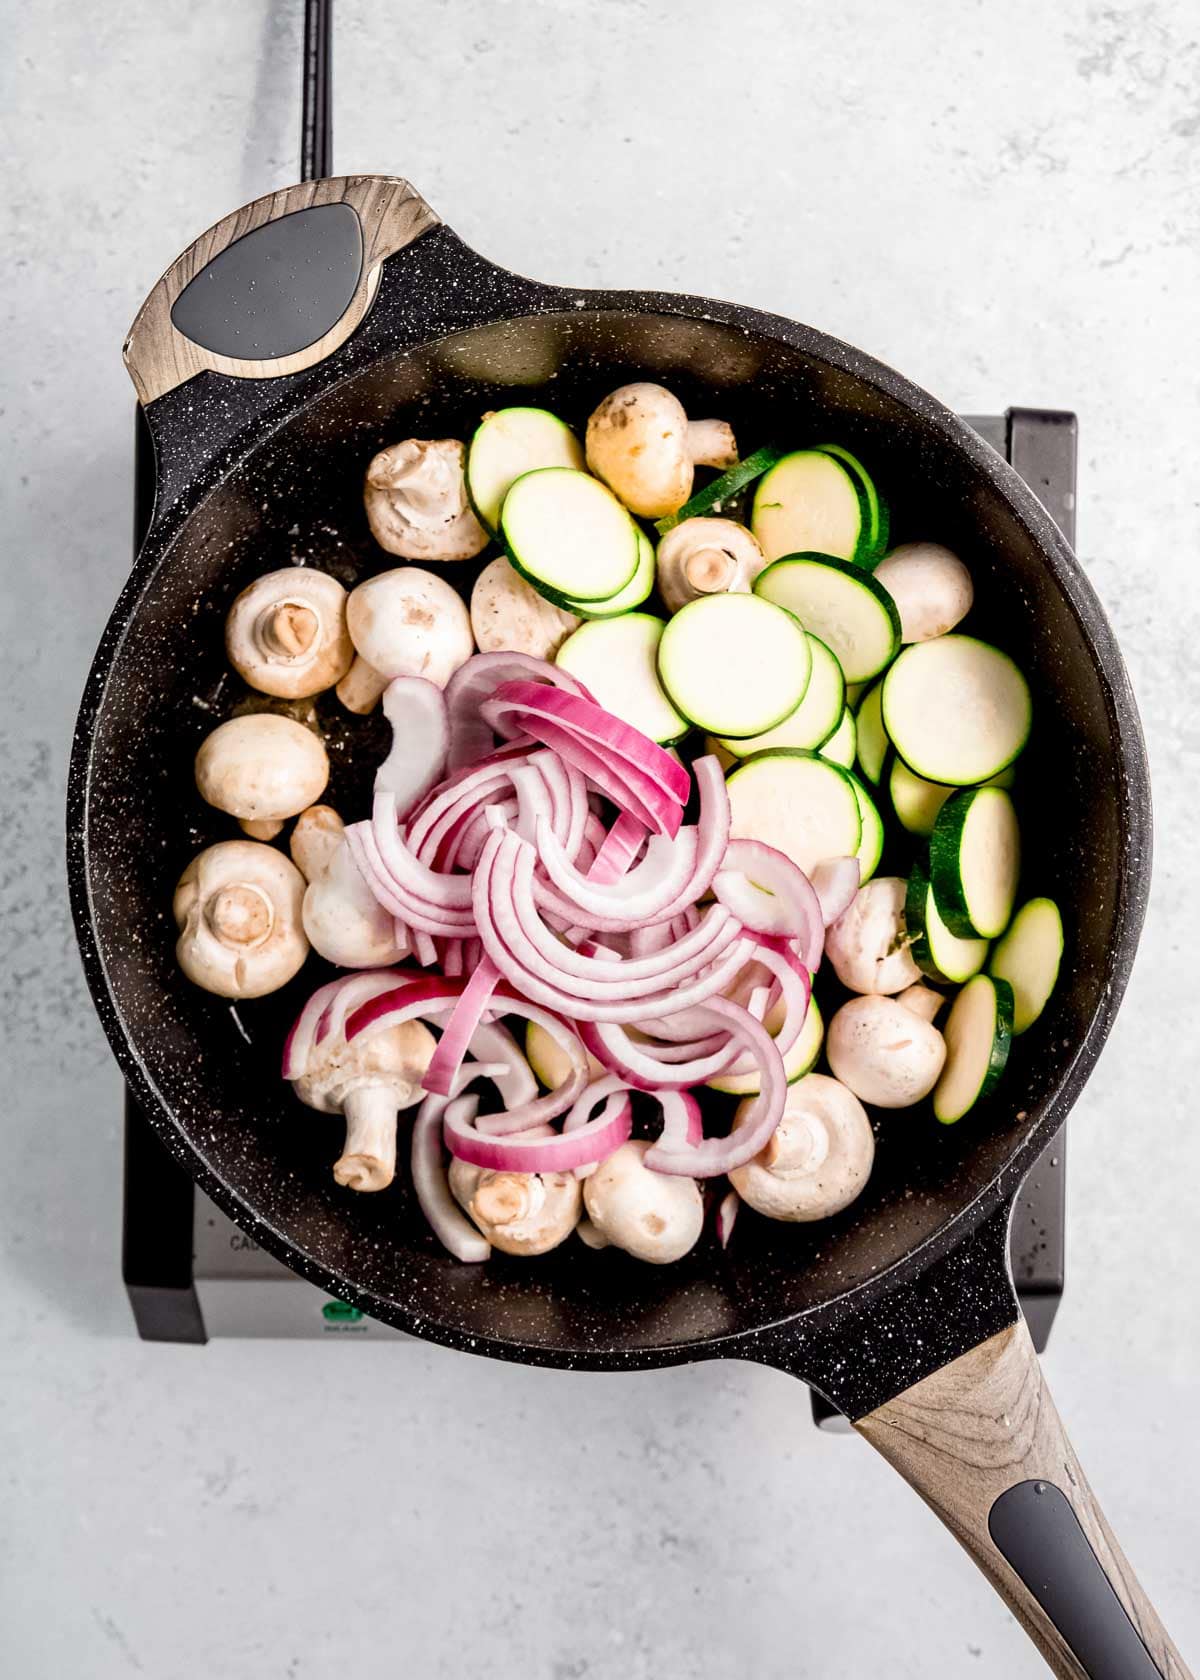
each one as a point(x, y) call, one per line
point(798, 802)
point(937, 952)
point(877, 525)
point(616, 659)
point(978, 1033)
point(569, 536)
point(507, 445)
point(872, 736)
point(720, 491)
point(957, 709)
point(815, 719)
point(870, 847)
point(1028, 957)
point(842, 604)
point(797, 1061)
point(636, 591)
point(842, 745)
point(975, 860)
point(915, 801)
point(808, 503)
point(734, 664)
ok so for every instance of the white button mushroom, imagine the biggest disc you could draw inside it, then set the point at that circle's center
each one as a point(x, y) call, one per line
point(509, 616)
point(286, 634)
point(403, 623)
point(868, 944)
point(887, 1053)
point(237, 907)
point(653, 1216)
point(642, 444)
point(817, 1160)
point(518, 1213)
point(931, 587)
point(261, 768)
point(370, 1083)
point(344, 921)
point(707, 557)
point(416, 501)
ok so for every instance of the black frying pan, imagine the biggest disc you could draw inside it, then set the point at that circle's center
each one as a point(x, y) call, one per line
point(327, 320)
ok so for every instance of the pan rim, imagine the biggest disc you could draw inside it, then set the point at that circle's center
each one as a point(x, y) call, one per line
point(1132, 796)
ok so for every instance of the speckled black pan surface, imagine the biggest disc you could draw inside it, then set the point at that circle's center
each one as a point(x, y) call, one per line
point(252, 475)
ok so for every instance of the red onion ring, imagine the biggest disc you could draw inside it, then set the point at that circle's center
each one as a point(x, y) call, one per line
point(562, 1152)
point(721, 1155)
point(476, 681)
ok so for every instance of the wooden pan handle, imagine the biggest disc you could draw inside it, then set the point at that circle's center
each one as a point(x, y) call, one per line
point(981, 1442)
point(278, 285)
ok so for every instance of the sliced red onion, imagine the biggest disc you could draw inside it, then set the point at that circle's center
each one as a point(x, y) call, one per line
point(460, 1029)
point(721, 1155)
point(450, 958)
point(443, 892)
point(629, 768)
point(449, 807)
point(327, 1009)
point(476, 681)
point(835, 882)
point(416, 710)
point(615, 1050)
point(769, 894)
point(424, 950)
point(450, 1225)
point(683, 1124)
point(617, 851)
point(727, 1212)
point(511, 1074)
point(637, 896)
point(561, 1152)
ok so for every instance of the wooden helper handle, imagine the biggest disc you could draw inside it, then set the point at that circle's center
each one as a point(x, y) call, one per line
point(981, 1442)
point(276, 286)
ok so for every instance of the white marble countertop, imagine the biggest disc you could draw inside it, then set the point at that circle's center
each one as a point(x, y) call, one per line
point(1002, 201)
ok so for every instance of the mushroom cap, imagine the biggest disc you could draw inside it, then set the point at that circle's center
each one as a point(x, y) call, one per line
point(395, 1060)
point(653, 1216)
point(261, 767)
point(818, 1159)
point(286, 634)
point(518, 1213)
point(867, 944)
point(690, 544)
point(931, 587)
point(416, 501)
point(884, 1051)
point(637, 443)
point(237, 907)
point(410, 623)
point(344, 921)
point(509, 616)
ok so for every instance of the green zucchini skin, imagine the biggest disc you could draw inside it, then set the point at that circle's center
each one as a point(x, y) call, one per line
point(948, 866)
point(876, 519)
point(998, 1051)
point(916, 920)
point(722, 489)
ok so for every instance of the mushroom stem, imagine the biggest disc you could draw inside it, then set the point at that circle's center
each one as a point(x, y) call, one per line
point(711, 443)
point(316, 835)
point(922, 1001)
point(506, 1198)
point(265, 828)
point(361, 687)
point(240, 914)
point(288, 629)
point(710, 571)
point(368, 1158)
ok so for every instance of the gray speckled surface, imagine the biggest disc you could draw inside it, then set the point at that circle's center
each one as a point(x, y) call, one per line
point(1004, 206)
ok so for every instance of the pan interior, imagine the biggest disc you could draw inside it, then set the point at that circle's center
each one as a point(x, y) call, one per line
point(215, 1069)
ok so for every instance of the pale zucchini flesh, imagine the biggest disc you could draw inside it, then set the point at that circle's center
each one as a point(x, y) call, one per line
point(978, 1033)
point(876, 523)
point(870, 846)
point(637, 590)
point(508, 444)
point(842, 744)
point(815, 719)
point(842, 604)
point(569, 536)
point(915, 801)
point(734, 664)
point(798, 802)
point(1029, 957)
point(616, 660)
point(956, 709)
point(808, 502)
point(975, 861)
point(872, 736)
